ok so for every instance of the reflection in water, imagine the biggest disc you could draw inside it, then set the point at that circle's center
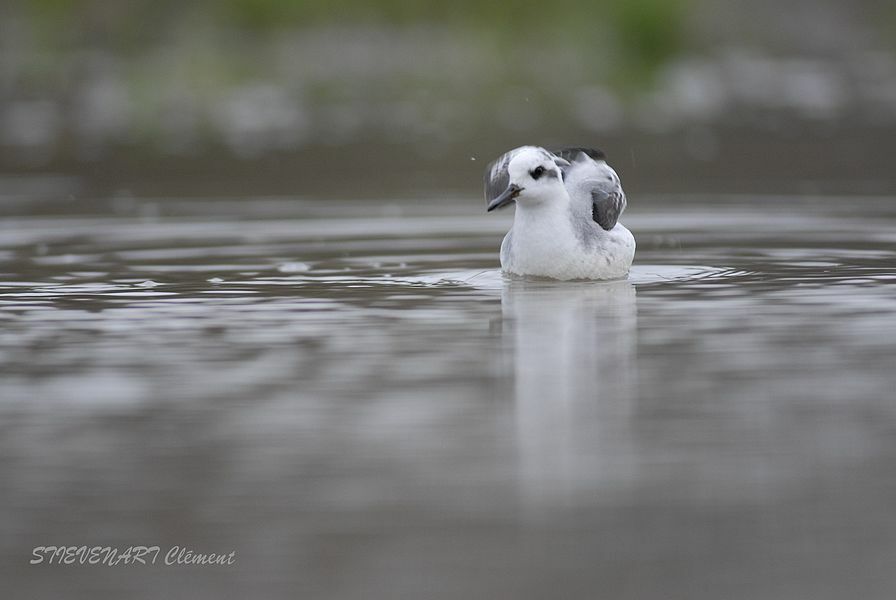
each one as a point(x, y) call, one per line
point(573, 347)
point(362, 407)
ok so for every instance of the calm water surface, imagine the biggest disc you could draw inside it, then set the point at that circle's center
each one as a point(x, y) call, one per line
point(352, 398)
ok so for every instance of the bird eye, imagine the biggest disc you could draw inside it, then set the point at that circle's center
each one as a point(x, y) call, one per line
point(537, 172)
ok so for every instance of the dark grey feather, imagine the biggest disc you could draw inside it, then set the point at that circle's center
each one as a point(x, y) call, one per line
point(572, 153)
point(496, 177)
point(606, 206)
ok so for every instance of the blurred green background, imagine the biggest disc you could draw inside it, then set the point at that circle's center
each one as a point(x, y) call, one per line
point(358, 98)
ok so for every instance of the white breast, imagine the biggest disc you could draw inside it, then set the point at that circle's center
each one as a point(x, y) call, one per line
point(546, 242)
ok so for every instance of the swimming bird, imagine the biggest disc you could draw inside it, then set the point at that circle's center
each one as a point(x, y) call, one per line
point(566, 224)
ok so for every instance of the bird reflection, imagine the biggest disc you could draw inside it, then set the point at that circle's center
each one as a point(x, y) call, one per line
point(573, 351)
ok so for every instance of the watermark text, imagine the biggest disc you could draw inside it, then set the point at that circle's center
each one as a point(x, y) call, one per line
point(111, 556)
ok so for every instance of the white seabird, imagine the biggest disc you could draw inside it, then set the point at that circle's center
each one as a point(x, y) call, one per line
point(568, 204)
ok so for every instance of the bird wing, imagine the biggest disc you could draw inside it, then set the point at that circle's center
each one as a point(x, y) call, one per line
point(571, 154)
point(606, 206)
point(496, 177)
point(590, 180)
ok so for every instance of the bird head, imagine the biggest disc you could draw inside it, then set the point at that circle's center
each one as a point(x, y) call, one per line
point(534, 177)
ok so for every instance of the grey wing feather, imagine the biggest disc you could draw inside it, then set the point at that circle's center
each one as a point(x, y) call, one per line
point(496, 176)
point(570, 154)
point(595, 183)
point(606, 206)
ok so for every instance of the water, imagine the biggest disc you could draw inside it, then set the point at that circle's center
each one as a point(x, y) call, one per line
point(352, 398)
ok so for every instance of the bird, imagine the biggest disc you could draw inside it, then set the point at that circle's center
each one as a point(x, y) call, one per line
point(566, 223)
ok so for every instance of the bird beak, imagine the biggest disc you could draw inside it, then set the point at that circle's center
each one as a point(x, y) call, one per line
point(506, 197)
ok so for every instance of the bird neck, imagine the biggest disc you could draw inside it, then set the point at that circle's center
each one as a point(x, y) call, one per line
point(547, 218)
